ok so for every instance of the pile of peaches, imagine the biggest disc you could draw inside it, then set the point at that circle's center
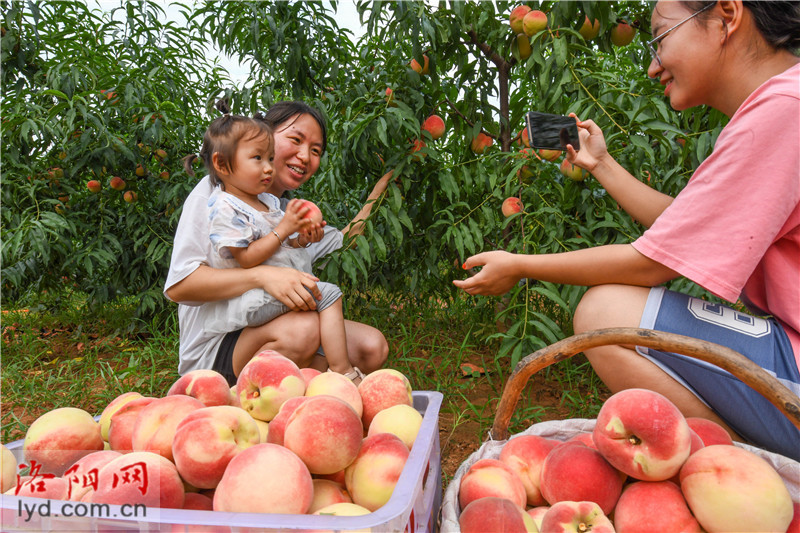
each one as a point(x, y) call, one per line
point(282, 440)
point(644, 468)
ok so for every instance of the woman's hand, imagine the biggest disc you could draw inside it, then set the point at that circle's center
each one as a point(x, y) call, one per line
point(593, 145)
point(356, 226)
point(312, 233)
point(291, 287)
point(497, 276)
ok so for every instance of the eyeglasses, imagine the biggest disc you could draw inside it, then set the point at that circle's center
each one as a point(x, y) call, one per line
point(650, 44)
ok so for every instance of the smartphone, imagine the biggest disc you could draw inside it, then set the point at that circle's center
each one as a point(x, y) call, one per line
point(552, 132)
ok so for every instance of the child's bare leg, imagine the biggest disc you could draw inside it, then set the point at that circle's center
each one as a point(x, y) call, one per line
point(334, 339)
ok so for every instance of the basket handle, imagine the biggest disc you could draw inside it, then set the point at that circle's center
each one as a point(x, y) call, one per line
point(727, 359)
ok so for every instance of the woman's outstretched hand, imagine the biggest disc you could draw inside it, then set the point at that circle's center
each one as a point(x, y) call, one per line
point(593, 145)
point(497, 276)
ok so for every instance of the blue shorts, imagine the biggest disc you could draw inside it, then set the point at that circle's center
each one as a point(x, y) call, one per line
point(761, 340)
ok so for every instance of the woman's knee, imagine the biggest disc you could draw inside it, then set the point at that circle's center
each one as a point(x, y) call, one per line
point(610, 306)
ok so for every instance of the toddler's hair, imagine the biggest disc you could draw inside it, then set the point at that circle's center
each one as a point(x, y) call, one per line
point(223, 137)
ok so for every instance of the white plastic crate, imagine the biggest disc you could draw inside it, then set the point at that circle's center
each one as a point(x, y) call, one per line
point(413, 507)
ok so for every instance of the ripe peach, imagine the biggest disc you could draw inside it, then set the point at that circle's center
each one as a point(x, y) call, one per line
point(516, 17)
point(277, 426)
point(381, 389)
point(112, 407)
point(8, 470)
point(416, 148)
point(495, 514)
point(709, 431)
point(434, 125)
point(327, 492)
point(141, 171)
point(421, 70)
point(534, 22)
point(155, 426)
point(585, 439)
point(82, 473)
point(622, 34)
point(642, 434)
point(371, 477)
point(480, 143)
point(117, 183)
point(131, 197)
point(309, 373)
point(120, 427)
point(207, 439)
point(335, 384)
point(525, 50)
point(263, 429)
point(140, 477)
point(731, 489)
point(325, 433)
point(283, 482)
point(401, 420)
point(574, 472)
point(523, 138)
point(576, 517)
point(573, 172)
point(60, 437)
point(491, 477)
point(94, 186)
point(207, 386)
point(51, 488)
point(549, 155)
point(314, 212)
point(589, 30)
point(266, 381)
point(659, 504)
point(537, 513)
point(525, 454)
point(511, 206)
point(195, 501)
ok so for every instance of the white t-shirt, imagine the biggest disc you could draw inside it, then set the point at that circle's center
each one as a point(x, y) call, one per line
point(192, 248)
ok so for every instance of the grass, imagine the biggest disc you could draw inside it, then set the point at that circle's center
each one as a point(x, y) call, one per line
point(66, 355)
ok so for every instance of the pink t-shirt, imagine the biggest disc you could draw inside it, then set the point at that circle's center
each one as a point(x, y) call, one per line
point(735, 228)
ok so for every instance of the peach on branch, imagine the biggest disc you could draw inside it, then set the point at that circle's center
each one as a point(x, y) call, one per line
point(491, 477)
point(401, 420)
point(155, 426)
point(416, 150)
point(732, 489)
point(511, 206)
point(141, 171)
point(642, 434)
point(117, 183)
point(282, 480)
point(207, 439)
point(480, 143)
point(549, 155)
point(659, 504)
point(495, 514)
point(266, 381)
point(164, 175)
point(335, 384)
point(60, 437)
point(524, 46)
point(93, 186)
point(382, 389)
point(589, 30)
point(372, 476)
point(325, 433)
point(207, 386)
point(421, 69)
point(390, 97)
point(516, 17)
point(434, 125)
point(573, 172)
point(622, 34)
point(523, 138)
point(140, 478)
point(574, 472)
point(576, 517)
point(534, 22)
point(525, 455)
point(131, 196)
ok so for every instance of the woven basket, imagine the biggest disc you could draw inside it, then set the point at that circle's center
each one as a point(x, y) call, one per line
point(563, 430)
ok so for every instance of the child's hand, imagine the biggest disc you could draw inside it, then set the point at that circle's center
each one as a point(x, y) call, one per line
point(293, 219)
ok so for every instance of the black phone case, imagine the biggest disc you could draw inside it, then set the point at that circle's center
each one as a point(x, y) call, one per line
point(552, 132)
